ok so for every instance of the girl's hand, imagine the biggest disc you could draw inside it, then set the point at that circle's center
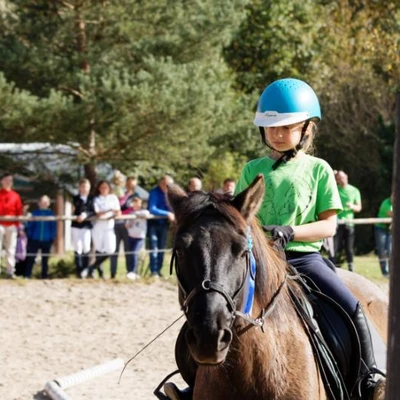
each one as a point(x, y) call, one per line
point(280, 234)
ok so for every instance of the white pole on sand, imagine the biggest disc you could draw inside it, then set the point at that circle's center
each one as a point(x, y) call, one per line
point(55, 388)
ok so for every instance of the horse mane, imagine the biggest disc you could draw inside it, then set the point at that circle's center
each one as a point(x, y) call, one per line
point(271, 268)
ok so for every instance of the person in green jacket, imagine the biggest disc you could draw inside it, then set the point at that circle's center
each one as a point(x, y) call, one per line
point(351, 203)
point(383, 235)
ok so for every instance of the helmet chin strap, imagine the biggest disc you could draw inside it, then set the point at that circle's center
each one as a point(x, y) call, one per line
point(288, 154)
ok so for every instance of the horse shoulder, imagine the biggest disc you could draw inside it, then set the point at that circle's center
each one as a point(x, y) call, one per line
point(374, 300)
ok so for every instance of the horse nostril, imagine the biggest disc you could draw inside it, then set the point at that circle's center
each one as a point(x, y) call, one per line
point(224, 339)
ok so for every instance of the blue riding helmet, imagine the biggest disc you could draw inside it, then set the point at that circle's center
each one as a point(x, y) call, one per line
point(285, 102)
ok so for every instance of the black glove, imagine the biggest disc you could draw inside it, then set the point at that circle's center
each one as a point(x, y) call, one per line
point(281, 235)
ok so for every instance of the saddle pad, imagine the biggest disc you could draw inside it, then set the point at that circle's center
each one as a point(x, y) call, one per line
point(340, 335)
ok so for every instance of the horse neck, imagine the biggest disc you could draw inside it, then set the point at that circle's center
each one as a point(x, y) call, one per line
point(269, 354)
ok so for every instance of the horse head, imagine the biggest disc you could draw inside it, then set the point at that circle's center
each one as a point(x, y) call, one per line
point(214, 264)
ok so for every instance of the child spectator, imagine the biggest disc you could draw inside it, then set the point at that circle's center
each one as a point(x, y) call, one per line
point(22, 243)
point(41, 235)
point(137, 229)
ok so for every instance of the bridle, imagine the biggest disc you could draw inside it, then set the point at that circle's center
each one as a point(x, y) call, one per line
point(248, 283)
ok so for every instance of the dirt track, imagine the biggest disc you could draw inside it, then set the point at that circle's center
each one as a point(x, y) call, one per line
point(55, 328)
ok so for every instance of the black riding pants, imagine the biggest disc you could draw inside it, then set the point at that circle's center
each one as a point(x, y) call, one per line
point(344, 239)
point(313, 266)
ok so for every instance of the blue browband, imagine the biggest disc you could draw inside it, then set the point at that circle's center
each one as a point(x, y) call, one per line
point(249, 286)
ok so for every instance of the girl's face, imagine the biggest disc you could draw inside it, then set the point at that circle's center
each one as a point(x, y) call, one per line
point(137, 205)
point(104, 189)
point(283, 138)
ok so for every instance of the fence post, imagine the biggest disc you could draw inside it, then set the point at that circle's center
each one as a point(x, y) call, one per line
point(60, 222)
point(393, 381)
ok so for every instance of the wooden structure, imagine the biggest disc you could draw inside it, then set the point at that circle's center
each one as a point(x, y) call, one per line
point(393, 381)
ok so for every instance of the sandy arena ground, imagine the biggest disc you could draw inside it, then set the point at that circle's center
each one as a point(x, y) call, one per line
point(55, 328)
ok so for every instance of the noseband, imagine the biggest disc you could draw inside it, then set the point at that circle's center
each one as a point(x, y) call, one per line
point(209, 286)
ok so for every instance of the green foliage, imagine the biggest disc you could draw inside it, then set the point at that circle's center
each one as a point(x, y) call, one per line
point(353, 64)
point(278, 39)
point(222, 166)
point(168, 86)
point(129, 88)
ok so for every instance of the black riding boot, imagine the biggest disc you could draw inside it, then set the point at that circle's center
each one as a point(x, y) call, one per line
point(78, 264)
point(85, 260)
point(187, 368)
point(100, 257)
point(370, 385)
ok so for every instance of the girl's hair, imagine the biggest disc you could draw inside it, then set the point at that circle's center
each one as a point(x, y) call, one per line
point(97, 193)
point(308, 146)
point(83, 181)
point(118, 178)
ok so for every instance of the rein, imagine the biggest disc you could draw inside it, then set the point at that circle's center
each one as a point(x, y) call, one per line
point(209, 286)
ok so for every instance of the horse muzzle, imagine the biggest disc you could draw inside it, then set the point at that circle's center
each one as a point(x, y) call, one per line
point(209, 347)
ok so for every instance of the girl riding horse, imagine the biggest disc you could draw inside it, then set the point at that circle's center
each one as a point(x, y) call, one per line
point(301, 203)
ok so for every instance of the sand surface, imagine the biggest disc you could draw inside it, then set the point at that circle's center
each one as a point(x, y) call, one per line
point(52, 329)
point(55, 328)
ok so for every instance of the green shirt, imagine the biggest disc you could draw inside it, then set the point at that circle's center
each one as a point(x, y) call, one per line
point(348, 194)
point(385, 206)
point(295, 193)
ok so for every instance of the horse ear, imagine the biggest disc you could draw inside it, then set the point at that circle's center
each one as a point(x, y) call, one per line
point(249, 201)
point(176, 196)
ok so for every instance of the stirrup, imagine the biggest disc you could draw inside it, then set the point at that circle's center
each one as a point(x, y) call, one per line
point(173, 393)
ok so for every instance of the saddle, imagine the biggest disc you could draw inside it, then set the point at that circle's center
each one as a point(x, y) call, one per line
point(333, 337)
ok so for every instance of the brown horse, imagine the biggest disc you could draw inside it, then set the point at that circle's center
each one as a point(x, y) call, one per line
point(244, 347)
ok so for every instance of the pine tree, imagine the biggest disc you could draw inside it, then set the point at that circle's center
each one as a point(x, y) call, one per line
point(138, 84)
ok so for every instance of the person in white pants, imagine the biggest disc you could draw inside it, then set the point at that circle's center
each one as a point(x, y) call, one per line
point(106, 207)
point(81, 231)
point(10, 205)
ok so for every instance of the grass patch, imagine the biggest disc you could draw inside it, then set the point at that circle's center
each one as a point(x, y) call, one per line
point(63, 267)
point(368, 266)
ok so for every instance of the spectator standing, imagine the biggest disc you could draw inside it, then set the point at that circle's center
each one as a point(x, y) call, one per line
point(351, 203)
point(229, 186)
point(383, 236)
point(121, 233)
point(118, 181)
point(137, 229)
point(41, 235)
point(106, 207)
point(22, 242)
point(81, 228)
point(194, 184)
point(157, 229)
point(10, 205)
